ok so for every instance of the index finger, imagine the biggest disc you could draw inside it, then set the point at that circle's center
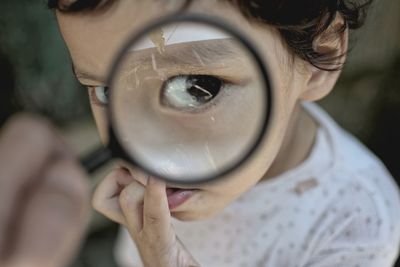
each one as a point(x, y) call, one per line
point(156, 214)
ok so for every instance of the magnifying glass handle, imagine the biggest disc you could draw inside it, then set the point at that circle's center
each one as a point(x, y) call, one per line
point(96, 159)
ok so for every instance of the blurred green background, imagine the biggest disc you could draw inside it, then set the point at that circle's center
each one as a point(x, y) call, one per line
point(36, 76)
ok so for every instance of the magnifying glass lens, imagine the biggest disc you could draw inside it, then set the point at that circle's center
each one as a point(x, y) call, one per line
point(188, 101)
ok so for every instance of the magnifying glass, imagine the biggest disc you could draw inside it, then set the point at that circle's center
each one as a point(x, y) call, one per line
point(189, 101)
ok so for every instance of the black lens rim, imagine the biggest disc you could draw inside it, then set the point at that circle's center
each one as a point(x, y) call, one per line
point(118, 151)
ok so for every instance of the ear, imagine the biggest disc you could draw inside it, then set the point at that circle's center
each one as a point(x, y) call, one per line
point(332, 42)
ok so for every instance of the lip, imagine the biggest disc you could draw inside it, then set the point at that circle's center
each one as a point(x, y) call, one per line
point(178, 196)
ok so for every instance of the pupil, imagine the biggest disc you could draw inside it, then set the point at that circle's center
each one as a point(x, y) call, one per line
point(203, 87)
point(106, 92)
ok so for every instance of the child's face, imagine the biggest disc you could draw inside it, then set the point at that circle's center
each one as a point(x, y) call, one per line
point(93, 38)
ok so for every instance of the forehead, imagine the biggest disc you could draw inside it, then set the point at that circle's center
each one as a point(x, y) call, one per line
point(95, 37)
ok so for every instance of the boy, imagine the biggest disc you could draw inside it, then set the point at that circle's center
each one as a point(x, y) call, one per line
point(312, 196)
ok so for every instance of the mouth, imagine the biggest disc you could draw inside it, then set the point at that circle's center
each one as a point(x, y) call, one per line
point(178, 196)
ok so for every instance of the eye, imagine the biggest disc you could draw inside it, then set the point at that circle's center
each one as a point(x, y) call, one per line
point(191, 91)
point(101, 94)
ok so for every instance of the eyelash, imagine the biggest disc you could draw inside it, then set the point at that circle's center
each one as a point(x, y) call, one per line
point(206, 106)
point(94, 99)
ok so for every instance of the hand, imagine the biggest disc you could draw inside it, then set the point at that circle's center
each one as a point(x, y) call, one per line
point(144, 211)
point(44, 196)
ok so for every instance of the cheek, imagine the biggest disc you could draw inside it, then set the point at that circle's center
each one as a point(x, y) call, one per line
point(229, 188)
point(258, 164)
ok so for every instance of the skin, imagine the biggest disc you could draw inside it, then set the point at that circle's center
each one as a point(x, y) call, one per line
point(44, 199)
point(155, 119)
point(94, 37)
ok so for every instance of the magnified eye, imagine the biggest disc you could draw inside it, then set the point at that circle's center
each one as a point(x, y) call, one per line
point(102, 94)
point(190, 91)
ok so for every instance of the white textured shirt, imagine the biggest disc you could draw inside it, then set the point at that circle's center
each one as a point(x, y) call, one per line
point(339, 208)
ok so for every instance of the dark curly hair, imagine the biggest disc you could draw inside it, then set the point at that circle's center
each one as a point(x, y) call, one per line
point(300, 22)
